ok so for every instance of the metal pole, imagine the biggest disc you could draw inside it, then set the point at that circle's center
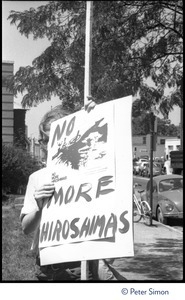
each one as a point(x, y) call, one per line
point(87, 90)
point(181, 128)
point(88, 50)
point(151, 161)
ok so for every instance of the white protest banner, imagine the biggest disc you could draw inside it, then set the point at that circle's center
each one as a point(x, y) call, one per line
point(90, 214)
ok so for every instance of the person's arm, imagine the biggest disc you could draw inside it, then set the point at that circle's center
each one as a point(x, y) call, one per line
point(31, 220)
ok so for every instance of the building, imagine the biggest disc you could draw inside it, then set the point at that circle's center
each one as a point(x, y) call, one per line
point(172, 144)
point(164, 144)
point(7, 105)
point(14, 130)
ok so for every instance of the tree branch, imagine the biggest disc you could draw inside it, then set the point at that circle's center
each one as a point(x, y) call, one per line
point(166, 5)
point(171, 29)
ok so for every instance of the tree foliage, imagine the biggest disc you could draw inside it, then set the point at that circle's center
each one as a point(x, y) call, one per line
point(17, 166)
point(20, 140)
point(131, 42)
point(141, 125)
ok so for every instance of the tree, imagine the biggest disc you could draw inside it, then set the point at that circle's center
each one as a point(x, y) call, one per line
point(20, 140)
point(141, 126)
point(132, 41)
point(17, 166)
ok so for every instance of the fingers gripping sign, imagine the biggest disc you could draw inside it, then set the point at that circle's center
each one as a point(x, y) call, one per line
point(44, 191)
point(90, 103)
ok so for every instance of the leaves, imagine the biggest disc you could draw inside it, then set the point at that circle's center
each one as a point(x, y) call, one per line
point(132, 41)
point(141, 126)
point(17, 166)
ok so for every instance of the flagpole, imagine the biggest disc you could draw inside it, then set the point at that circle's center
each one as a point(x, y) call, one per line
point(87, 89)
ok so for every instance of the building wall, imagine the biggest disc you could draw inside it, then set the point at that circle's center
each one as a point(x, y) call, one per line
point(7, 106)
point(141, 145)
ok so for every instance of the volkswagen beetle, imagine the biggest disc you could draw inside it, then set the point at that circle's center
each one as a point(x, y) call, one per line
point(167, 197)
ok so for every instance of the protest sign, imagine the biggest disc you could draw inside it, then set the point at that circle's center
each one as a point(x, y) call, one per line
point(90, 213)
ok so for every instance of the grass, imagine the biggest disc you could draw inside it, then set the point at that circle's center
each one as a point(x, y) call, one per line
point(18, 262)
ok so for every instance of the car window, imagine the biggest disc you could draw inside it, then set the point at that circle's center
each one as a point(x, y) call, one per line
point(170, 184)
point(143, 160)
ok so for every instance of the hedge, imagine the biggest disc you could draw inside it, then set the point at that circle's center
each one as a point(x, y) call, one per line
point(17, 166)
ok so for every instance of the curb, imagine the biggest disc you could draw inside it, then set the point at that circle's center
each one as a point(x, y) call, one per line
point(170, 228)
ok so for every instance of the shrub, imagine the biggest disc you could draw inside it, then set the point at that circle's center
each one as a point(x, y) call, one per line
point(17, 166)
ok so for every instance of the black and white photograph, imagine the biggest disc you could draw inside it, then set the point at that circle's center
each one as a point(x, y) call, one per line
point(92, 148)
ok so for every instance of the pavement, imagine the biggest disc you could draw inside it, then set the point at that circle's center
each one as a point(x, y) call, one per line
point(158, 253)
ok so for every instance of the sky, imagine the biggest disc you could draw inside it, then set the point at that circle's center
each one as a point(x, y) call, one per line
point(22, 51)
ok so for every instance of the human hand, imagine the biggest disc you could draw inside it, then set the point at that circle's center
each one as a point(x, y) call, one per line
point(109, 260)
point(90, 103)
point(43, 192)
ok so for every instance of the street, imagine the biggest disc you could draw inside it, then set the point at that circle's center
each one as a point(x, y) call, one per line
point(174, 223)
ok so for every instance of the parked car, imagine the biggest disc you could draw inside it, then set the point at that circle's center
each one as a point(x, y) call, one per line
point(141, 160)
point(157, 170)
point(136, 168)
point(167, 197)
point(142, 166)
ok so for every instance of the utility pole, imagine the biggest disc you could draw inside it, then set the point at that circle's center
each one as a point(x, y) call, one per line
point(152, 147)
point(181, 128)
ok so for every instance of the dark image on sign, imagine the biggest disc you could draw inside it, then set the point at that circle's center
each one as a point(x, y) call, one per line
point(76, 152)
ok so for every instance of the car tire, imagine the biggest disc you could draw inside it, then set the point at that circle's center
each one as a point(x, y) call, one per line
point(160, 216)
